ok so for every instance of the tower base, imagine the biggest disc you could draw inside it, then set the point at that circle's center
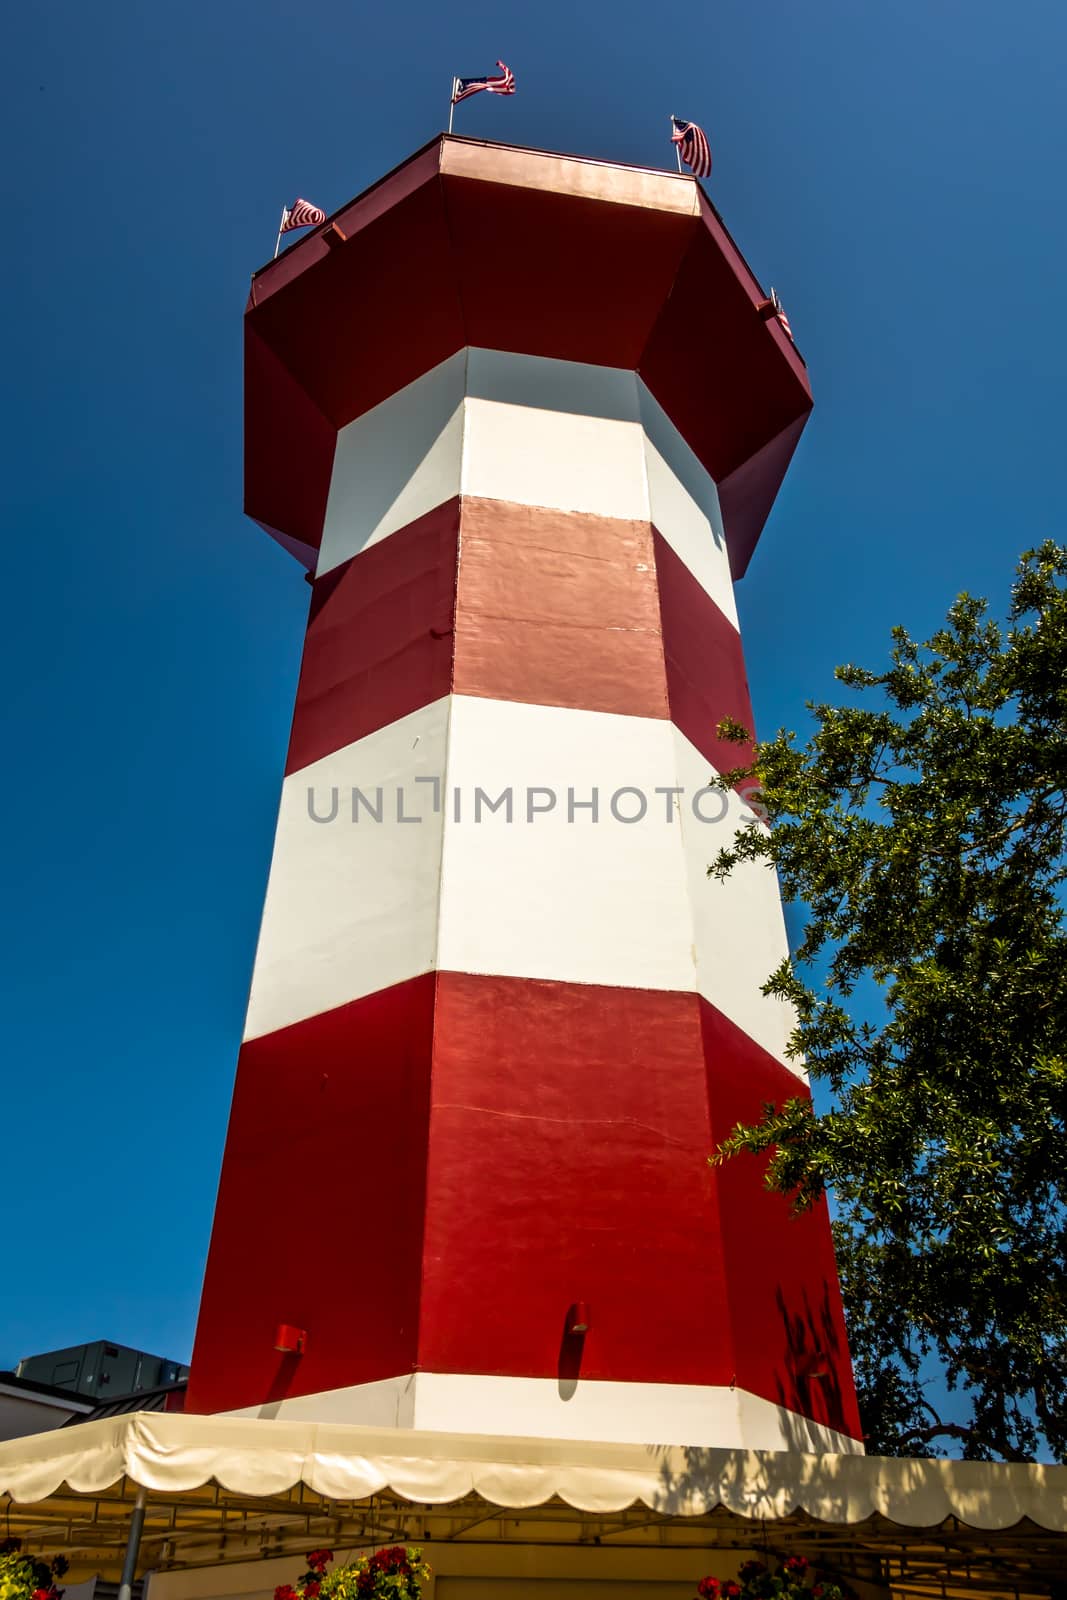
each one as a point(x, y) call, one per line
point(547, 1408)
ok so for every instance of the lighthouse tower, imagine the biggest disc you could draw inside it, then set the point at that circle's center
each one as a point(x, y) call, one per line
point(520, 417)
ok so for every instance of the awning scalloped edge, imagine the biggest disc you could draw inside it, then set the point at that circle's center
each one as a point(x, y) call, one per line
point(253, 1457)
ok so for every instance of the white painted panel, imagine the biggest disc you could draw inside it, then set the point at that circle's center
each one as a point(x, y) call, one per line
point(534, 1408)
point(532, 430)
point(351, 907)
point(577, 901)
point(738, 923)
point(386, 1403)
point(550, 385)
point(617, 1413)
point(537, 457)
point(684, 505)
point(395, 463)
point(687, 528)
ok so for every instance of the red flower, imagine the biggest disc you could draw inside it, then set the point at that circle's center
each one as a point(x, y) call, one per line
point(708, 1588)
point(311, 1590)
point(285, 1591)
point(317, 1559)
point(818, 1591)
point(392, 1558)
point(797, 1564)
point(43, 1594)
point(731, 1589)
point(752, 1569)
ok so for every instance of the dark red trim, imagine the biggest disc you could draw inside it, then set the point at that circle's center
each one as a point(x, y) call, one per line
point(723, 378)
point(747, 494)
point(379, 637)
point(705, 664)
point(289, 447)
point(784, 1304)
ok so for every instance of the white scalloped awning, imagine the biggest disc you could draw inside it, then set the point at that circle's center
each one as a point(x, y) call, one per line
point(172, 1454)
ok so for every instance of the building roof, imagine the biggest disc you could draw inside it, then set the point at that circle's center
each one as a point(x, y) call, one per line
point(168, 1397)
point(46, 1392)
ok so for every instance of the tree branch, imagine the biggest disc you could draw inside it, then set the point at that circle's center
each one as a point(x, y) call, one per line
point(954, 1430)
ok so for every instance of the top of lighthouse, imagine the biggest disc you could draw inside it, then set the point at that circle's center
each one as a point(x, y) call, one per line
point(470, 243)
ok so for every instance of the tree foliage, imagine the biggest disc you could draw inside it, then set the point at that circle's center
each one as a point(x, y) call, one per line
point(923, 829)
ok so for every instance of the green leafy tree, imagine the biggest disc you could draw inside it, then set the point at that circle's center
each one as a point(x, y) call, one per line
point(923, 829)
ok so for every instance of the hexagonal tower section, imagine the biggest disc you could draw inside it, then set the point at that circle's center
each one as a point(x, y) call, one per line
point(522, 419)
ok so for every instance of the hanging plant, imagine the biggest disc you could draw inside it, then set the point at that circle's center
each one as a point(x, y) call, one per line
point(26, 1578)
point(792, 1579)
point(394, 1574)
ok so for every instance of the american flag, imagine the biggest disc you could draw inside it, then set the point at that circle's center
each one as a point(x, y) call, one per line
point(302, 214)
point(505, 84)
point(779, 311)
point(693, 147)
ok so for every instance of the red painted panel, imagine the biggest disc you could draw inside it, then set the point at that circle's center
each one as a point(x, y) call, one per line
point(747, 495)
point(379, 637)
point(727, 245)
point(421, 168)
point(558, 608)
point(444, 1215)
point(320, 1208)
point(551, 275)
point(553, 608)
point(569, 1136)
point(283, 428)
point(784, 1301)
point(706, 678)
point(714, 367)
point(373, 314)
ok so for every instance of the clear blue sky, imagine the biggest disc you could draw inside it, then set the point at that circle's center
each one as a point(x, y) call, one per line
point(891, 168)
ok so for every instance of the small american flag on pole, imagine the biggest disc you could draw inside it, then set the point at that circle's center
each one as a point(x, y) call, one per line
point(302, 214)
point(779, 311)
point(505, 84)
point(692, 146)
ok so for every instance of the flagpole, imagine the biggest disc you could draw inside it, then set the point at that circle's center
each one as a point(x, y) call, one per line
point(677, 147)
point(281, 230)
point(452, 105)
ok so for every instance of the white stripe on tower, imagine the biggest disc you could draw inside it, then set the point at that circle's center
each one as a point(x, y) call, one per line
point(550, 433)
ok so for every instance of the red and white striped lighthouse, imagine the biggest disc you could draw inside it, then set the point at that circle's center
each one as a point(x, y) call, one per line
point(520, 416)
